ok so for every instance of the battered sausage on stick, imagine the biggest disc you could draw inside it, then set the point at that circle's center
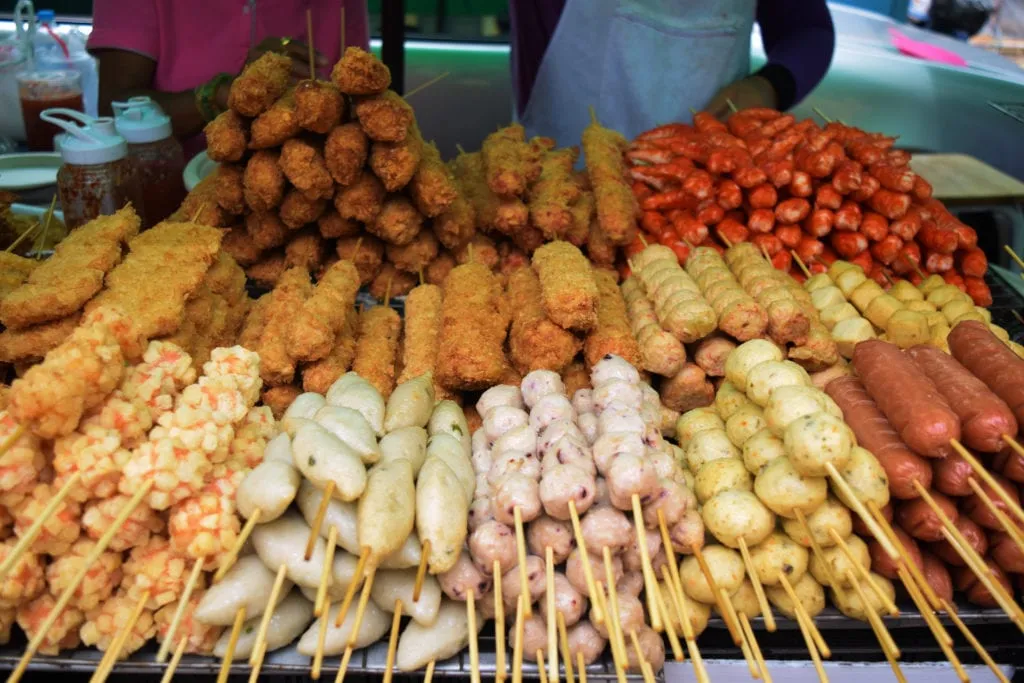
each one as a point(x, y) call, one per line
point(319, 375)
point(506, 215)
point(471, 352)
point(260, 84)
point(554, 193)
point(227, 137)
point(739, 315)
point(660, 352)
point(569, 292)
point(617, 208)
point(319, 105)
point(510, 165)
point(612, 334)
point(433, 188)
point(377, 347)
point(313, 332)
point(681, 308)
point(991, 361)
point(422, 326)
point(360, 73)
point(906, 396)
point(873, 432)
point(535, 342)
point(456, 225)
point(984, 417)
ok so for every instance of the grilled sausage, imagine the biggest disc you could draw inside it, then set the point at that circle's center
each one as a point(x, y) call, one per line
point(991, 361)
point(921, 522)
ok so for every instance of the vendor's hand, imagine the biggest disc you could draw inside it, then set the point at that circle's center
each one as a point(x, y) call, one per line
point(296, 50)
point(752, 91)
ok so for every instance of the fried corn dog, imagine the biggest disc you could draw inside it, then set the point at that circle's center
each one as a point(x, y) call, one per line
point(377, 347)
point(366, 252)
point(660, 352)
point(260, 84)
point(582, 211)
point(534, 341)
point(319, 105)
point(480, 249)
point(227, 137)
point(457, 224)
point(319, 375)
point(570, 294)
point(414, 256)
point(395, 163)
point(315, 328)
point(739, 315)
point(511, 164)
point(292, 290)
point(612, 333)
point(275, 125)
point(492, 212)
point(554, 193)
point(617, 208)
point(433, 188)
point(678, 302)
point(787, 321)
point(360, 73)
point(474, 322)
point(231, 188)
point(362, 199)
point(422, 335)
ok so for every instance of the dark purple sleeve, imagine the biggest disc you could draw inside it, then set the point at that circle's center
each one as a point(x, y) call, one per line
point(533, 24)
point(799, 40)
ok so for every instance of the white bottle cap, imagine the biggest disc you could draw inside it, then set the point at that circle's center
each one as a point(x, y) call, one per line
point(86, 141)
point(141, 120)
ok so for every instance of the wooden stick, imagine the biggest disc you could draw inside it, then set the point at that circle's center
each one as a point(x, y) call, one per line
point(938, 630)
point(647, 569)
point(47, 220)
point(764, 252)
point(581, 667)
point(499, 626)
point(309, 44)
point(421, 571)
point(179, 612)
point(256, 658)
point(1014, 256)
point(670, 630)
point(243, 536)
point(820, 554)
point(524, 582)
point(318, 521)
point(347, 657)
point(800, 262)
point(1011, 529)
point(865, 575)
point(474, 646)
point(859, 508)
point(640, 236)
point(18, 432)
point(28, 231)
point(364, 598)
point(179, 652)
point(822, 115)
point(889, 646)
point(799, 608)
point(755, 649)
point(690, 636)
point(645, 667)
point(325, 573)
point(805, 631)
point(541, 671)
point(618, 663)
point(725, 240)
point(593, 116)
point(978, 647)
point(988, 478)
point(744, 646)
point(563, 643)
point(113, 653)
point(76, 581)
point(423, 86)
point(229, 654)
point(199, 212)
point(396, 622)
point(26, 539)
point(552, 619)
point(762, 601)
point(734, 631)
point(614, 623)
point(732, 107)
point(908, 562)
point(517, 643)
point(342, 42)
point(350, 592)
point(673, 568)
point(321, 639)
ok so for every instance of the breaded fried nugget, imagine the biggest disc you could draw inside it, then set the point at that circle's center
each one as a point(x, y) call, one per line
point(377, 347)
point(298, 209)
point(362, 199)
point(227, 137)
point(457, 224)
point(231, 189)
point(554, 193)
point(266, 230)
point(617, 209)
point(276, 364)
point(480, 249)
point(612, 333)
point(275, 125)
point(569, 291)
point(32, 343)
point(268, 270)
point(260, 84)
point(278, 399)
point(318, 376)
point(511, 258)
point(534, 342)
point(576, 376)
point(414, 256)
point(345, 152)
point(438, 269)
point(432, 188)
point(492, 212)
point(582, 211)
point(237, 243)
point(385, 117)
point(315, 327)
point(391, 282)
point(305, 168)
point(509, 162)
point(200, 206)
point(471, 353)
point(687, 390)
point(360, 73)
point(366, 252)
point(264, 181)
point(14, 270)
point(395, 163)
point(422, 327)
point(398, 221)
point(319, 105)
point(255, 323)
point(600, 249)
point(332, 225)
point(528, 238)
point(305, 250)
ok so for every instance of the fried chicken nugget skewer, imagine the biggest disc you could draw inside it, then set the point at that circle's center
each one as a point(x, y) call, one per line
point(554, 194)
point(260, 84)
point(318, 376)
point(422, 332)
point(510, 165)
point(457, 224)
point(276, 365)
point(227, 137)
point(492, 212)
point(612, 333)
point(617, 209)
point(569, 292)
point(535, 342)
point(319, 105)
point(432, 188)
point(315, 329)
point(474, 323)
point(660, 352)
point(377, 347)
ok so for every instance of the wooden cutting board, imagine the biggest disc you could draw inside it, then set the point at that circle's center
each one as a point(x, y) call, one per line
point(963, 179)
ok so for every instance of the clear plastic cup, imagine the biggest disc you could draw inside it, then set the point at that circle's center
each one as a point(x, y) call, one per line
point(40, 90)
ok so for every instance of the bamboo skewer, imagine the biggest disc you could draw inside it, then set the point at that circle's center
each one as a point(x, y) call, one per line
point(936, 627)
point(350, 592)
point(40, 244)
point(670, 630)
point(229, 653)
point(737, 636)
point(614, 622)
point(563, 642)
point(28, 231)
point(645, 666)
point(1015, 257)
point(428, 675)
point(858, 507)
point(524, 582)
point(396, 622)
point(113, 653)
point(552, 619)
point(474, 647)
point(347, 657)
point(748, 656)
point(801, 612)
point(687, 627)
point(364, 598)
point(423, 86)
point(26, 539)
point(820, 554)
point(978, 647)
point(18, 432)
point(588, 572)
point(865, 576)
point(517, 643)
point(980, 470)
point(755, 649)
point(179, 612)
point(1011, 529)
point(542, 673)
point(762, 601)
point(581, 667)
point(650, 582)
point(421, 571)
point(309, 44)
point(321, 639)
point(907, 561)
point(259, 649)
point(318, 521)
point(499, 626)
point(889, 646)
point(812, 649)
point(243, 536)
point(172, 666)
point(800, 263)
point(325, 575)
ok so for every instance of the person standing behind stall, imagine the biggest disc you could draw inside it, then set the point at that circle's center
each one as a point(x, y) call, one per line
point(641, 63)
point(184, 54)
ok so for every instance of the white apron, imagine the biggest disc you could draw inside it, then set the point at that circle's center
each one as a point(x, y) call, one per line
point(639, 63)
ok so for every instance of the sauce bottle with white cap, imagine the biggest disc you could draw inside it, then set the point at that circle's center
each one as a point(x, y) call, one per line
point(96, 178)
point(156, 154)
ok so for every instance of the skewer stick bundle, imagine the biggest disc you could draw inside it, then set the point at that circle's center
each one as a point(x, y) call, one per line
point(755, 649)
point(229, 654)
point(723, 603)
point(364, 598)
point(350, 592)
point(865, 576)
point(499, 626)
point(819, 553)
point(588, 572)
point(744, 645)
point(936, 627)
point(762, 601)
point(650, 582)
point(26, 539)
point(474, 648)
point(973, 640)
point(243, 536)
point(256, 658)
point(172, 666)
point(801, 612)
point(549, 575)
point(858, 507)
point(325, 576)
point(314, 531)
point(113, 653)
point(396, 622)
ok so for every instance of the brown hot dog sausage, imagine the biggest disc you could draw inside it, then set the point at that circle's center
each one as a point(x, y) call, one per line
point(915, 408)
point(984, 417)
point(921, 522)
point(862, 530)
point(1010, 464)
point(1006, 553)
point(966, 581)
point(977, 510)
point(991, 361)
point(882, 563)
point(974, 536)
point(937, 576)
point(951, 474)
point(874, 433)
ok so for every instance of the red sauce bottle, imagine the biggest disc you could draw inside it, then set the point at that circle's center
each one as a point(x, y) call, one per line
point(155, 153)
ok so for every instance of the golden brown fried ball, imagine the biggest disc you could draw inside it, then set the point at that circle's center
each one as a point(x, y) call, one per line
point(395, 163)
point(231, 189)
point(398, 221)
point(319, 105)
point(414, 256)
point(385, 117)
point(227, 137)
point(438, 269)
point(275, 125)
point(268, 270)
point(361, 200)
point(346, 151)
point(366, 252)
point(305, 250)
point(360, 73)
point(266, 230)
point(298, 209)
point(305, 168)
point(401, 282)
point(238, 245)
point(263, 181)
point(260, 84)
point(332, 225)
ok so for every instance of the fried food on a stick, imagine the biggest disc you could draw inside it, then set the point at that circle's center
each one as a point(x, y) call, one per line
point(227, 137)
point(582, 211)
point(231, 189)
point(318, 376)
point(391, 282)
point(438, 269)
point(612, 333)
point(200, 206)
point(276, 365)
point(492, 212)
point(414, 256)
point(260, 84)
point(305, 168)
point(362, 199)
point(377, 347)
point(480, 249)
point(422, 327)
point(398, 221)
point(255, 323)
point(237, 243)
point(298, 209)
point(264, 181)
point(395, 163)
point(279, 398)
point(510, 164)
point(457, 224)
point(314, 329)
point(535, 343)
point(510, 259)
point(345, 153)
point(319, 105)
point(474, 321)
point(34, 342)
point(275, 125)
point(600, 249)
point(333, 226)
point(432, 188)
point(267, 271)
point(687, 390)
point(366, 252)
point(385, 117)
point(617, 208)
point(266, 230)
point(360, 73)
point(73, 275)
point(554, 193)
point(305, 250)
point(569, 292)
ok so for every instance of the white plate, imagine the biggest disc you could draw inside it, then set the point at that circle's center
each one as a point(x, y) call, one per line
point(198, 168)
point(29, 171)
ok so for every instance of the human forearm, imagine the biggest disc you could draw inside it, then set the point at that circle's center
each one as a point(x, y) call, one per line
point(799, 39)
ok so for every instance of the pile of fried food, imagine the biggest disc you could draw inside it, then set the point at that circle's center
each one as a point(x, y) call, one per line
point(172, 282)
point(321, 171)
point(161, 442)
